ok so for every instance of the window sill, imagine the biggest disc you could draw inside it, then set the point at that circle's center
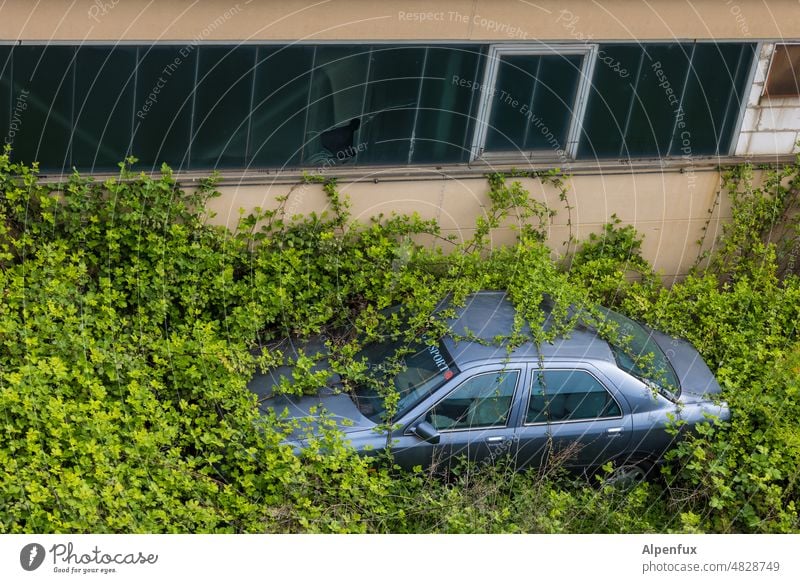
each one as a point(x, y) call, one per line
point(478, 169)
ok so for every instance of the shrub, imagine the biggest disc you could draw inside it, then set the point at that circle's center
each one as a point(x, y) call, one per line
point(130, 326)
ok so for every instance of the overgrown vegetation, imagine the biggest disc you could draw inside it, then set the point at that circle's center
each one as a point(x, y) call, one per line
point(129, 327)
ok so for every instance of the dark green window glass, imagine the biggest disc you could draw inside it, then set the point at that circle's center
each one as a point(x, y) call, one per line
point(482, 401)
point(550, 111)
point(442, 132)
point(660, 100)
point(104, 80)
point(273, 106)
point(391, 104)
point(609, 100)
point(516, 86)
point(338, 87)
point(279, 105)
point(656, 103)
point(6, 98)
point(222, 106)
point(162, 120)
point(533, 102)
point(712, 99)
point(46, 74)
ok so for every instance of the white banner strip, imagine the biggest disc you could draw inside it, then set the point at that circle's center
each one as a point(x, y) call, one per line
point(390, 558)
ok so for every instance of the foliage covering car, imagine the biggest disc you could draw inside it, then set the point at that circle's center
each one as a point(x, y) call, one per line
point(472, 393)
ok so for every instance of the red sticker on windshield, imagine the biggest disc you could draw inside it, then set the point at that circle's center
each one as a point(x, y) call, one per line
point(448, 375)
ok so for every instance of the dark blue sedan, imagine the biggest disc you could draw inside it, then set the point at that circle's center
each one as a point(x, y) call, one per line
point(580, 397)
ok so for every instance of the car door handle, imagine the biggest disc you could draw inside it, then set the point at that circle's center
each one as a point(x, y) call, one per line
point(614, 431)
point(495, 439)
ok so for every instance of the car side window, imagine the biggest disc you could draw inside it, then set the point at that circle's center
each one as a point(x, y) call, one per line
point(569, 395)
point(481, 401)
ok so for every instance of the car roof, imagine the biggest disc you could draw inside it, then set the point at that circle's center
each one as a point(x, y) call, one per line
point(487, 315)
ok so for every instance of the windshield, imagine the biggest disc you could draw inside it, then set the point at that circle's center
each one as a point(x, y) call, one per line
point(638, 354)
point(422, 368)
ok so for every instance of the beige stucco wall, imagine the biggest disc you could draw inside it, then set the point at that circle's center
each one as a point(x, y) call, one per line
point(210, 20)
point(669, 208)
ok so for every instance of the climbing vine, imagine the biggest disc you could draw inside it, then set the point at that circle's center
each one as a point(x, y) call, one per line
point(130, 327)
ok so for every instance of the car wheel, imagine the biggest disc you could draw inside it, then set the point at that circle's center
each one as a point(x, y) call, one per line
point(629, 473)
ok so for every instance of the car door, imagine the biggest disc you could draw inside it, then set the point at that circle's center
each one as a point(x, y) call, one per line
point(532, 435)
point(471, 418)
point(587, 422)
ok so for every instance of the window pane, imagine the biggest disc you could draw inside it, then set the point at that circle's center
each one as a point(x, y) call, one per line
point(553, 105)
point(712, 99)
point(446, 106)
point(44, 134)
point(482, 401)
point(517, 84)
point(569, 396)
point(104, 79)
point(636, 342)
point(609, 101)
point(533, 101)
point(279, 105)
point(657, 100)
point(222, 107)
point(392, 94)
point(164, 88)
point(337, 96)
point(6, 99)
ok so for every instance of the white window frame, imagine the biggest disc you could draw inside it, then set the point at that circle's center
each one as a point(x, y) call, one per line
point(496, 52)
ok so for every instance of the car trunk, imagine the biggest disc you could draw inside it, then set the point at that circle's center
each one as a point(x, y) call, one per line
point(696, 379)
point(339, 406)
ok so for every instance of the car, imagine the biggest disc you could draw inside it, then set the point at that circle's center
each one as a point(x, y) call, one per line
point(470, 394)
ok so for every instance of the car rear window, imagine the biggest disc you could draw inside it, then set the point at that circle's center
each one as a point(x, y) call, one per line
point(638, 354)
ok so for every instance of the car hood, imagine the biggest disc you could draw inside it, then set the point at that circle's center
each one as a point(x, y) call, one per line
point(696, 379)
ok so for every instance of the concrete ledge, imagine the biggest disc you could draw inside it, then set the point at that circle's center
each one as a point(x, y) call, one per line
point(377, 174)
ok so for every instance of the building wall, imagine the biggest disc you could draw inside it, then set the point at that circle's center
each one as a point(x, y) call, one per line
point(211, 20)
point(670, 208)
point(771, 125)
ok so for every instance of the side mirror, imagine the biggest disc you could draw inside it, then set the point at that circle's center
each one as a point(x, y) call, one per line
point(426, 432)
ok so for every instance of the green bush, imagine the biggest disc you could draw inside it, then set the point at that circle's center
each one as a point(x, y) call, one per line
point(123, 365)
point(129, 327)
point(604, 263)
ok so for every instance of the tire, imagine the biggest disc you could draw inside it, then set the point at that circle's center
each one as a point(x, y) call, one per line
point(629, 473)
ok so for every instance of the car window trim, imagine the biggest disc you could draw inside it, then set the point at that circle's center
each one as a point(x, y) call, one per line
point(534, 372)
point(422, 416)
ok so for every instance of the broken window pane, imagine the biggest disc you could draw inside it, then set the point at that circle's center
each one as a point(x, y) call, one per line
point(784, 71)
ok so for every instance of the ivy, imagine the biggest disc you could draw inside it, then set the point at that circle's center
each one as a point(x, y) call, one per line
point(130, 326)
point(765, 205)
